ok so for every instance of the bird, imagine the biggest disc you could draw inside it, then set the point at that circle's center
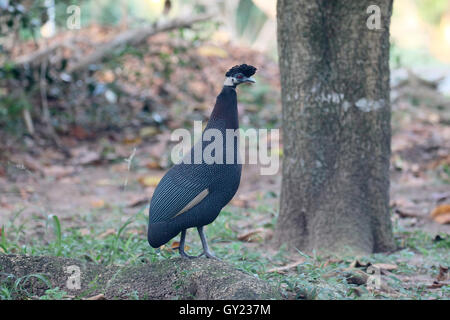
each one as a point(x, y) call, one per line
point(192, 193)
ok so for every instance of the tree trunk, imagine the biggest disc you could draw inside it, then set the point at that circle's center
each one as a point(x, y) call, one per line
point(201, 278)
point(334, 66)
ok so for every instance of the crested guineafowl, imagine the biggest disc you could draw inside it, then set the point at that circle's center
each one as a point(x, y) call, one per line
point(192, 193)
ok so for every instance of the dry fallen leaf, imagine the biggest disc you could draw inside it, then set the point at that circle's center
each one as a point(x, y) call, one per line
point(443, 274)
point(88, 158)
point(97, 297)
point(441, 214)
point(136, 231)
point(174, 246)
point(138, 201)
point(148, 131)
point(356, 276)
point(287, 267)
point(251, 236)
point(106, 76)
point(132, 141)
point(107, 233)
point(239, 203)
point(5, 204)
point(331, 261)
point(98, 203)
point(153, 165)
point(84, 231)
point(84, 156)
point(385, 266)
point(149, 181)
point(406, 214)
point(58, 171)
point(212, 51)
point(436, 285)
point(119, 167)
point(79, 132)
point(358, 264)
point(105, 182)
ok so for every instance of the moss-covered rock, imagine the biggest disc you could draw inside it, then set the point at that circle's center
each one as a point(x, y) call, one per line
point(169, 279)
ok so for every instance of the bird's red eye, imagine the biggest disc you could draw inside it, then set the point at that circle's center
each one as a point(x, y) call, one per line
point(239, 76)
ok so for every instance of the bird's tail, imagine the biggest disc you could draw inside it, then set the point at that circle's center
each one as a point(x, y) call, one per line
point(160, 233)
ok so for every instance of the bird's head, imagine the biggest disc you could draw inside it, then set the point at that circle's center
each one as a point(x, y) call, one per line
point(240, 74)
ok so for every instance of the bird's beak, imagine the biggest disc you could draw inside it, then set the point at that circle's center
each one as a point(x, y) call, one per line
point(250, 80)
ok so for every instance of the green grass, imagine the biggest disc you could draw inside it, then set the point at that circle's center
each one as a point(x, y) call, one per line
point(316, 278)
point(12, 287)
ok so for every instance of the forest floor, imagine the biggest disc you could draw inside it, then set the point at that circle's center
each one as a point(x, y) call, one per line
point(93, 205)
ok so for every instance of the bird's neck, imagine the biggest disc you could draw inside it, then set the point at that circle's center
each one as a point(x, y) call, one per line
point(225, 108)
point(229, 82)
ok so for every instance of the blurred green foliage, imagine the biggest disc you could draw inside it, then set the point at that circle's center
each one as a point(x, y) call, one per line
point(433, 10)
point(249, 20)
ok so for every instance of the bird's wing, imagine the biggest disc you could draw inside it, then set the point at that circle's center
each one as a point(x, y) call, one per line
point(176, 193)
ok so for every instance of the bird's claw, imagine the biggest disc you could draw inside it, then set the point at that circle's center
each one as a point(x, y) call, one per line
point(184, 255)
point(209, 255)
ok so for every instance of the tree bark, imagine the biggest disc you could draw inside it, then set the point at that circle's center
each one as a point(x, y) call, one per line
point(204, 279)
point(336, 126)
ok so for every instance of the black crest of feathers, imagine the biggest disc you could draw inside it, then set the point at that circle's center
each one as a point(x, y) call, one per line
point(245, 69)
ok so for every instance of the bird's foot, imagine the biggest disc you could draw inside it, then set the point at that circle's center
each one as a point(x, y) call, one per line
point(209, 255)
point(184, 255)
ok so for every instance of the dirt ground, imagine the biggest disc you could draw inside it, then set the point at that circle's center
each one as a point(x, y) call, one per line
point(39, 187)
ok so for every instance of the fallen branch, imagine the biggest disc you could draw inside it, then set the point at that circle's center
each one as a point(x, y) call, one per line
point(134, 37)
point(39, 55)
point(168, 279)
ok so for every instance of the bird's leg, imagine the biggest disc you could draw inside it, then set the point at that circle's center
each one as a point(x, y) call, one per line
point(206, 251)
point(181, 246)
